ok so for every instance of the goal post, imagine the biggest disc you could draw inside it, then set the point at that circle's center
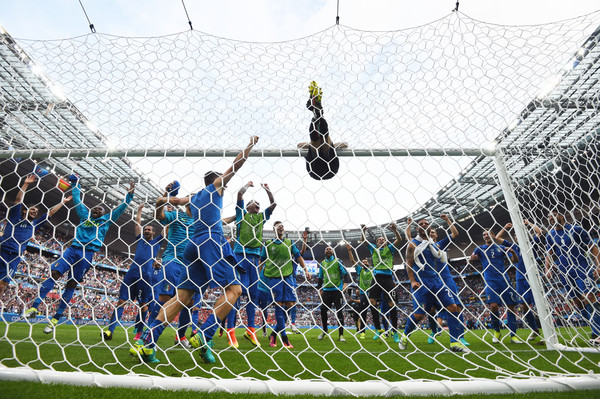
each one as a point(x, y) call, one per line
point(440, 185)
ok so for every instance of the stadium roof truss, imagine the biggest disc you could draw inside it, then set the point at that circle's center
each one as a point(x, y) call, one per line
point(34, 114)
point(553, 128)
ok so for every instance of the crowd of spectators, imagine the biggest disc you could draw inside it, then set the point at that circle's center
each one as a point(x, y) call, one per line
point(98, 295)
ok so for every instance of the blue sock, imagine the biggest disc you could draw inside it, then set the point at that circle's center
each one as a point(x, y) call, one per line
point(209, 327)
point(411, 324)
point(593, 319)
point(116, 316)
point(250, 313)
point(139, 321)
point(293, 313)
point(530, 320)
point(231, 316)
point(64, 302)
point(195, 315)
point(511, 320)
point(455, 327)
point(152, 333)
point(495, 316)
point(433, 324)
point(46, 287)
point(280, 318)
point(184, 321)
point(156, 307)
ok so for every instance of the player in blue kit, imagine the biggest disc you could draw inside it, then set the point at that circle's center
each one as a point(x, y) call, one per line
point(525, 296)
point(137, 280)
point(423, 256)
point(248, 247)
point(443, 269)
point(77, 259)
point(22, 223)
point(569, 244)
point(210, 263)
point(498, 288)
point(178, 223)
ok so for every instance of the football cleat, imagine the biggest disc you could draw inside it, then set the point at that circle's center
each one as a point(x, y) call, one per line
point(458, 347)
point(107, 335)
point(496, 337)
point(31, 312)
point(251, 336)
point(147, 355)
point(403, 342)
point(342, 339)
point(295, 329)
point(322, 335)
point(197, 341)
point(232, 339)
point(516, 340)
point(50, 326)
point(378, 334)
point(183, 341)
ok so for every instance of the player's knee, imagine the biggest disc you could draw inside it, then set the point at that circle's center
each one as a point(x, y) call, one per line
point(453, 308)
point(419, 316)
point(55, 274)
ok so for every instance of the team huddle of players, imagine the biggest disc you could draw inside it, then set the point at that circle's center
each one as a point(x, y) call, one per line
point(198, 256)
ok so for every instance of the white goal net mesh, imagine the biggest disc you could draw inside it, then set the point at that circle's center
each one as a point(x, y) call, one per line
point(471, 148)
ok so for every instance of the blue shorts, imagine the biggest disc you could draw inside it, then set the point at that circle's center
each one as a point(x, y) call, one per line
point(431, 293)
point(451, 284)
point(211, 264)
point(578, 286)
point(524, 291)
point(76, 261)
point(249, 279)
point(172, 270)
point(265, 299)
point(135, 288)
point(8, 264)
point(500, 292)
point(283, 289)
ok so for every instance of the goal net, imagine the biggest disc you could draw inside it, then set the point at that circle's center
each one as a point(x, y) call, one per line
point(425, 215)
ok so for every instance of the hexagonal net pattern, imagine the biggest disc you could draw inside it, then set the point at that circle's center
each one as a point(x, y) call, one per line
point(387, 207)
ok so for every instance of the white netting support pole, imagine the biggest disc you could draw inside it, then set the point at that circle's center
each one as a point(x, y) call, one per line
point(524, 243)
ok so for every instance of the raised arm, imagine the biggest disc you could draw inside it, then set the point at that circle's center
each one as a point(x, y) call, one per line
point(304, 240)
point(21, 193)
point(240, 195)
point(238, 162)
point(82, 210)
point(138, 220)
point(548, 263)
point(272, 202)
point(351, 254)
point(394, 228)
point(500, 236)
point(536, 230)
point(363, 233)
point(596, 254)
point(514, 258)
point(118, 211)
point(451, 225)
point(56, 207)
point(407, 231)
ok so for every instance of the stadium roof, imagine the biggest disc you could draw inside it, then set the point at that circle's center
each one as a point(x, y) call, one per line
point(35, 114)
point(553, 128)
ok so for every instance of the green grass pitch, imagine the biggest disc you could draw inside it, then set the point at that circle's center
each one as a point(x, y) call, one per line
point(81, 348)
